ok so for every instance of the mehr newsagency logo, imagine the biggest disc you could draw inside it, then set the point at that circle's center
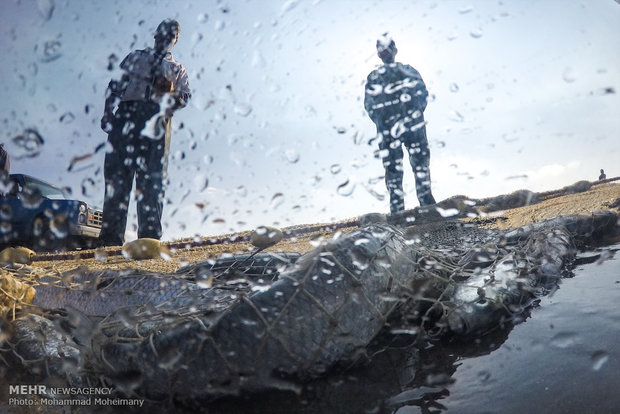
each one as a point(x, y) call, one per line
point(38, 395)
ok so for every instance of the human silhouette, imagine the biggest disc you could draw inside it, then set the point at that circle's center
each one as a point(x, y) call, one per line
point(153, 86)
point(395, 99)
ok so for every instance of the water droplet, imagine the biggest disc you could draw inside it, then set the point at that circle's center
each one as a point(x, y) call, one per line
point(67, 118)
point(374, 193)
point(196, 38)
point(33, 68)
point(204, 279)
point(449, 212)
point(128, 382)
point(59, 226)
point(276, 200)
point(564, 339)
point(346, 188)
point(168, 357)
point(454, 87)
point(203, 18)
point(405, 331)
point(242, 109)
point(317, 242)
point(599, 358)
point(335, 169)
point(476, 33)
point(45, 8)
point(466, 9)
point(484, 376)
point(5, 227)
point(6, 330)
point(219, 25)
point(101, 255)
point(201, 182)
point(434, 380)
point(88, 187)
point(31, 197)
point(258, 61)
point(6, 212)
point(242, 191)
point(50, 51)
point(568, 75)
point(291, 155)
point(112, 60)
point(456, 116)
point(288, 6)
point(29, 142)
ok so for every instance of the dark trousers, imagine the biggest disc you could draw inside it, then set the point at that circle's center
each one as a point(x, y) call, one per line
point(413, 135)
point(134, 155)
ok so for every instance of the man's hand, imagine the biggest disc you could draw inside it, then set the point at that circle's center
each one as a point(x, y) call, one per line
point(106, 122)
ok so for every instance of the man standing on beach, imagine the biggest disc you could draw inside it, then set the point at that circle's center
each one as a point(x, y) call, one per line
point(395, 99)
point(152, 87)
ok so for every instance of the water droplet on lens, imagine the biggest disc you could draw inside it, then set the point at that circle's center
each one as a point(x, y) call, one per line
point(112, 59)
point(242, 191)
point(456, 116)
point(291, 155)
point(67, 118)
point(276, 200)
point(599, 358)
point(6, 329)
point(101, 255)
point(59, 226)
point(204, 279)
point(568, 75)
point(454, 87)
point(346, 188)
point(50, 51)
point(5, 227)
point(449, 212)
point(6, 212)
point(476, 34)
point(196, 38)
point(203, 17)
point(335, 168)
point(484, 376)
point(31, 197)
point(564, 339)
point(201, 182)
point(45, 8)
point(29, 143)
point(242, 109)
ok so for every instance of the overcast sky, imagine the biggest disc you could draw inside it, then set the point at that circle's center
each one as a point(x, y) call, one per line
point(525, 96)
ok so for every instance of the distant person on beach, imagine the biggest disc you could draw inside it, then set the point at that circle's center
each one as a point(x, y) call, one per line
point(602, 176)
point(153, 86)
point(395, 99)
point(5, 162)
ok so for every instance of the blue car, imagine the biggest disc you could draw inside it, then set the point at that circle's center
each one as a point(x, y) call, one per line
point(40, 215)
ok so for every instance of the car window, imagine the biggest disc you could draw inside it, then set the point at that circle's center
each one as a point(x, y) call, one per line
point(46, 190)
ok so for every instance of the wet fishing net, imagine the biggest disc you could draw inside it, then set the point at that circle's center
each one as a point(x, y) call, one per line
point(250, 323)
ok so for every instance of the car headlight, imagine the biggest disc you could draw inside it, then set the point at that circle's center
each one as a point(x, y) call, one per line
point(83, 208)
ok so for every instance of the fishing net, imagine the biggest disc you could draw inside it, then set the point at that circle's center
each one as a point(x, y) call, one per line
point(249, 323)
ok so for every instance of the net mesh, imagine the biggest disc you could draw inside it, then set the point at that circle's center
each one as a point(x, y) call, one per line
point(266, 321)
